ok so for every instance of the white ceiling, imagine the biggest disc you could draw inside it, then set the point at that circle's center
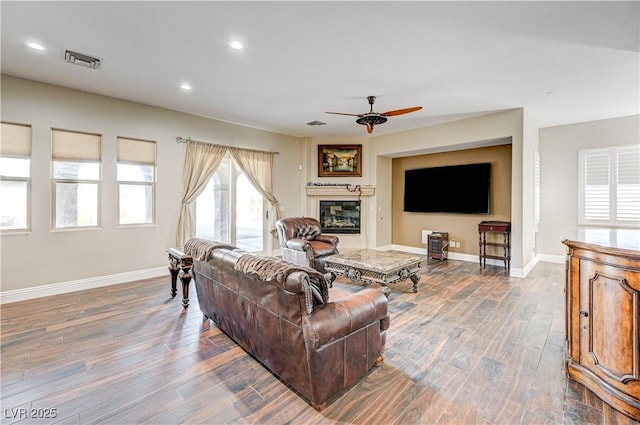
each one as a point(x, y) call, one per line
point(564, 62)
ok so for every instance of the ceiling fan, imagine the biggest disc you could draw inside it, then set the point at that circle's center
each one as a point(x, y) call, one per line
point(371, 119)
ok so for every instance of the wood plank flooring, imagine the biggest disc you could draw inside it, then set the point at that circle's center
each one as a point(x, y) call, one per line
point(470, 347)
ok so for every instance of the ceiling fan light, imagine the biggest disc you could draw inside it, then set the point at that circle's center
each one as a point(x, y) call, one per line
point(371, 119)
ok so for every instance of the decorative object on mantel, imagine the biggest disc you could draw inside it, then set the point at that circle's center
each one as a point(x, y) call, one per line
point(354, 188)
point(339, 160)
point(371, 119)
point(339, 189)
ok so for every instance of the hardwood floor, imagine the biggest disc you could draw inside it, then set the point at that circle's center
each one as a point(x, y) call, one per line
point(468, 348)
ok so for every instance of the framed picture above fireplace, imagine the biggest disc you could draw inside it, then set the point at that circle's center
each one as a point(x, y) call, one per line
point(339, 160)
point(340, 217)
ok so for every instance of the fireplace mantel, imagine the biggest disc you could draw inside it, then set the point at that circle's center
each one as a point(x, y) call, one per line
point(339, 190)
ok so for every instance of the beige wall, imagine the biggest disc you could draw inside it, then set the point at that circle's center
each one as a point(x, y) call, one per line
point(43, 256)
point(461, 227)
point(559, 148)
point(486, 130)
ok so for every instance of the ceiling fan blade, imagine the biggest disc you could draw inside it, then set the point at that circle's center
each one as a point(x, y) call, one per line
point(401, 111)
point(344, 113)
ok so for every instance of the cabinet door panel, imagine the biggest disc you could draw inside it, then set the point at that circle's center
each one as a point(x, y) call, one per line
point(609, 331)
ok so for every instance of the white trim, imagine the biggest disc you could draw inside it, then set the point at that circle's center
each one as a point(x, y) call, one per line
point(470, 258)
point(16, 295)
point(527, 268)
point(558, 259)
point(404, 248)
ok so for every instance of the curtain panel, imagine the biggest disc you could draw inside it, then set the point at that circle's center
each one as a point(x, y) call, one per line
point(201, 161)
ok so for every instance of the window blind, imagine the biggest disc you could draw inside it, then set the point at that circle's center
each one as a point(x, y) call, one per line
point(16, 140)
point(72, 145)
point(136, 151)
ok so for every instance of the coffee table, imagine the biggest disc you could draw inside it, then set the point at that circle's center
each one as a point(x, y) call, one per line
point(381, 267)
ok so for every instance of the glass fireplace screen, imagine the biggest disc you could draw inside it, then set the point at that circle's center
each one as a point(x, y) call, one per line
point(340, 217)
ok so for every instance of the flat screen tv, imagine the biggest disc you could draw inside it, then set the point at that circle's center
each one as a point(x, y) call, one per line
point(462, 189)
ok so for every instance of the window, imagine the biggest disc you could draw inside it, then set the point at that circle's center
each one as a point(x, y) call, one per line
point(15, 177)
point(76, 178)
point(136, 174)
point(609, 189)
point(230, 209)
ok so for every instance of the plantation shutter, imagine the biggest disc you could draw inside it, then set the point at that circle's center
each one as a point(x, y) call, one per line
point(610, 186)
point(596, 187)
point(628, 184)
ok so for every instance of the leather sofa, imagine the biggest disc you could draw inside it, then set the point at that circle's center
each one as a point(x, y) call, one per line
point(302, 242)
point(319, 341)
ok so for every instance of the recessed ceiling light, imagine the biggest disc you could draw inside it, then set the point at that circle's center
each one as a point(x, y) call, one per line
point(236, 45)
point(185, 86)
point(35, 46)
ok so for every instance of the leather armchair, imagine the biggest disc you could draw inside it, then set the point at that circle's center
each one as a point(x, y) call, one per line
point(302, 242)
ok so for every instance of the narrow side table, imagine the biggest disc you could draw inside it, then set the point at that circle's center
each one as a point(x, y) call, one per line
point(180, 266)
point(498, 227)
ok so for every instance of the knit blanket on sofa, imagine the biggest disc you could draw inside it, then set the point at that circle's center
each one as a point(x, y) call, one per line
point(277, 269)
point(200, 249)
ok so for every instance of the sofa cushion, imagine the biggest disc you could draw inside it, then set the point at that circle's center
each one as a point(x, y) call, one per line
point(345, 314)
point(320, 249)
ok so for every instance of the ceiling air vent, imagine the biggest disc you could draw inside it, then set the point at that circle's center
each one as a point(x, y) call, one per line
point(82, 60)
point(314, 123)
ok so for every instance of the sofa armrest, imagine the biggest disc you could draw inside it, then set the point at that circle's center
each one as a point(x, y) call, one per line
point(299, 244)
point(344, 316)
point(331, 239)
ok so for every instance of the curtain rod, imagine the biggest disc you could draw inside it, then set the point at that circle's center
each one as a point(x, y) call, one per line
point(189, 139)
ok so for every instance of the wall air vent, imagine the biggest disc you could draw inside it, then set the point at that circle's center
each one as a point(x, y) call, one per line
point(82, 60)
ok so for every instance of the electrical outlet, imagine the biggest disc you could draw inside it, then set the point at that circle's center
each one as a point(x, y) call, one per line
point(425, 235)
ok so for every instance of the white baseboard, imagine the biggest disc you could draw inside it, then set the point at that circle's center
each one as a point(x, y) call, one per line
point(470, 258)
point(16, 295)
point(527, 268)
point(558, 259)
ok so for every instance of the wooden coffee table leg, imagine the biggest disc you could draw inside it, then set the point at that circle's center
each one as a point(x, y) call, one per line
point(415, 279)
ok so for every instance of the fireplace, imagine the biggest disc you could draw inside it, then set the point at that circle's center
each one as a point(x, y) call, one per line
point(340, 217)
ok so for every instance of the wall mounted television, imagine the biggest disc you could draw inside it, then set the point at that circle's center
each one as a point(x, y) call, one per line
point(458, 189)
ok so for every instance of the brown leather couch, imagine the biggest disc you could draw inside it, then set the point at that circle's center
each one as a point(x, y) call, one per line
point(302, 242)
point(318, 340)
